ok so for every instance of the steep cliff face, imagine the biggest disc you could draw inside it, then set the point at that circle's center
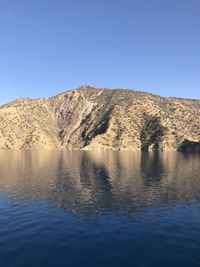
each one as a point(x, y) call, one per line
point(92, 118)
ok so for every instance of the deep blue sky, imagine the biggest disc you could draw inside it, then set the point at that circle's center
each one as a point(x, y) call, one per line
point(49, 46)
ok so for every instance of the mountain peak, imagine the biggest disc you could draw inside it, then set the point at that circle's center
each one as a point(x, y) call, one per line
point(97, 118)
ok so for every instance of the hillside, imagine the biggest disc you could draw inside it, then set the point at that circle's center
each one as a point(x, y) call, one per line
point(94, 118)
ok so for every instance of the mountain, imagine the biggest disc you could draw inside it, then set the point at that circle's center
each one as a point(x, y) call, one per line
point(96, 118)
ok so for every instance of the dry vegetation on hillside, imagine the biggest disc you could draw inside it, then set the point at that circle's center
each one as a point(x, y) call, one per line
point(92, 118)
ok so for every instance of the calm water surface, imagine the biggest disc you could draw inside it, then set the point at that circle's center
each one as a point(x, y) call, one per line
point(62, 208)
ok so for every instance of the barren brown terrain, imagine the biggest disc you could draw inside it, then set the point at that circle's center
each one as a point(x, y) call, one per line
point(96, 118)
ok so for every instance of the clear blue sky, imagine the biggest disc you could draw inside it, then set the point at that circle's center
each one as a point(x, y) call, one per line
point(49, 46)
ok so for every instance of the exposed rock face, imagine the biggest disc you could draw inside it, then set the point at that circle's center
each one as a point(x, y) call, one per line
point(188, 146)
point(91, 118)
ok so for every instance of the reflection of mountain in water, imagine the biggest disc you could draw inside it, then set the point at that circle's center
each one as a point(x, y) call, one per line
point(94, 182)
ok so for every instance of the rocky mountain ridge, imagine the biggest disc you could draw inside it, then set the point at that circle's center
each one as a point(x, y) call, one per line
point(96, 118)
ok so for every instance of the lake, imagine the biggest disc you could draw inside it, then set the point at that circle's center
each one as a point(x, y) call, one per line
point(73, 208)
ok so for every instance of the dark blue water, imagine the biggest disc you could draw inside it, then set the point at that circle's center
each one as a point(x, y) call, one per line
point(99, 209)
